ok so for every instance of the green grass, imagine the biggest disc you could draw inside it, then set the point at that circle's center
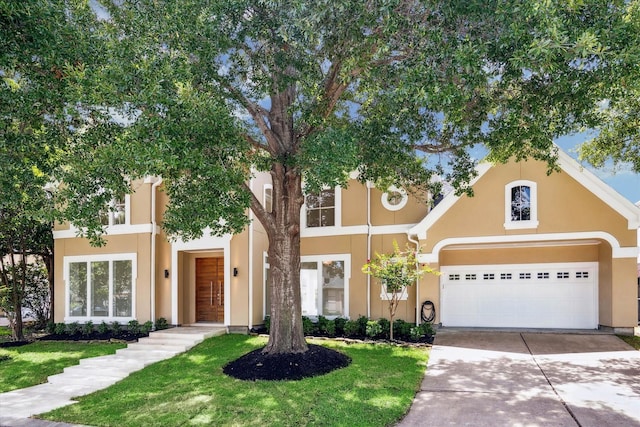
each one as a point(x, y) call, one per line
point(5, 331)
point(31, 364)
point(633, 341)
point(190, 389)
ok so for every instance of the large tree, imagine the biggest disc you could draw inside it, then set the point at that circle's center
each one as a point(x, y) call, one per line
point(39, 41)
point(203, 92)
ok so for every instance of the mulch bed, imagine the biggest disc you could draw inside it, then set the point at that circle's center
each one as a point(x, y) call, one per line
point(257, 365)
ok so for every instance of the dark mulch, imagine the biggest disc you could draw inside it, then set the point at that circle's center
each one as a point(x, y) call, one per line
point(257, 365)
point(123, 335)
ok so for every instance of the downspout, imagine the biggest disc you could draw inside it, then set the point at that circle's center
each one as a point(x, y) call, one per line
point(250, 268)
point(368, 248)
point(154, 225)
point(417, 243)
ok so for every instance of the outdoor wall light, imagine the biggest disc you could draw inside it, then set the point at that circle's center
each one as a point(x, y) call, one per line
point(235, 271)
point(166, 274)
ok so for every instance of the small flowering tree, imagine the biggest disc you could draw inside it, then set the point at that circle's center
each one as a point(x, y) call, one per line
point(396, 272)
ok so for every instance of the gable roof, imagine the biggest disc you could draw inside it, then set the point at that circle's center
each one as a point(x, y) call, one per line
point(568, 165)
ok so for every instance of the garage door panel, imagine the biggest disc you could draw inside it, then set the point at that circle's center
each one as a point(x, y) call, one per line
point(523, 296)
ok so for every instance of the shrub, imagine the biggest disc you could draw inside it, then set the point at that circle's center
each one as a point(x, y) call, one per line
point(373, 328)
point(402, 329)
point(51, 327)
point(60, 329)
point(351, 328)
point(331, 328)
point(308, 327)
point(74, 328)
point(147, 327)
point(362, 325)
point(103, 328)
point(161, 323)
point(87, 328)
point(384, 327)
point(422, 331)
point(339, 322)
point(322, 324)
point(115, 326)
point(267, 323)
point(134, 327)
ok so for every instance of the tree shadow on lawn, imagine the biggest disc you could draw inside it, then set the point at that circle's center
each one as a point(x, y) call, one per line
point(377, 388)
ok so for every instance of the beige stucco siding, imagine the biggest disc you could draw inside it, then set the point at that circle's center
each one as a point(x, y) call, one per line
point(354, 204)
point(564, 206)
point(412, 213)
point(515, 255)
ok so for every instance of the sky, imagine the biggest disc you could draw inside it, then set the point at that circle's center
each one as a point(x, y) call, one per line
point(621, 178)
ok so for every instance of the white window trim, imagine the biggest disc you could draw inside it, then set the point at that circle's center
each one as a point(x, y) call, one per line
point(266, 187)
point(67, 260)
point(265, 267)
point(347, 275)
point(337, 212)
point(387, 296)
point(519, 225)
point(385, 199)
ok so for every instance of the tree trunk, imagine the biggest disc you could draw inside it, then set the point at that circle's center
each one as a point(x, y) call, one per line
point(283, 229)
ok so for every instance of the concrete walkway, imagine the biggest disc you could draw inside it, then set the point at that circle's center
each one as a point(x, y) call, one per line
point(96, 373)
point(480, 378)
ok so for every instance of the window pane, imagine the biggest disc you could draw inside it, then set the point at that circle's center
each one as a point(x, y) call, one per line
point(521, 203)
point(119, 213)
point(309, 288)
point(327, 198)
point(122, 289)
point(327, 217)
point(78, 289)
point(268, 199)
point(312, 201)
point(313, 218)
point(100, 288)
point(333, 288)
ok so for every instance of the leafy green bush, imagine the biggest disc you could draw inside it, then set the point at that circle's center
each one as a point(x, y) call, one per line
point(134, 327)
point(161, 323)
point(351, 328)
point(115, 326)
point(339, 322)
point(322, 324)
point(373, 328)
point(308, 327)
point(267, 323)
point(74, 328)
point(331, 328)
point(422, 331)
point(87, 328)
point(147, 327)
point(402, 329)
point(60, 329)
point(51, 327)
point(103, 328)
point(362, 325)
point(384, 327)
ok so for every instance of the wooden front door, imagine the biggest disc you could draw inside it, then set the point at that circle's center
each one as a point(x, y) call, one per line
point(210, 290)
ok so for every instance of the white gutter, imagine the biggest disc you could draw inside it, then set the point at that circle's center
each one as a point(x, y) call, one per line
point(154, 231)
point(368, 248)
point(417, 243)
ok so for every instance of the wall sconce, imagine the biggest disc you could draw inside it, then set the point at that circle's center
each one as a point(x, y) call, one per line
point(166, 274)
point(235, 271)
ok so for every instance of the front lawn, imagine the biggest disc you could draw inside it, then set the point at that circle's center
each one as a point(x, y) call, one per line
point(376, 389)
point(633, 341)
point(31, 364)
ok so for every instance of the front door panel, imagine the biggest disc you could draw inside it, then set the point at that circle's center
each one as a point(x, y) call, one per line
point(210, 290)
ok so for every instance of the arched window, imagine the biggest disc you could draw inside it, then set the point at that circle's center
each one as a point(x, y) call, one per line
point(521, 205)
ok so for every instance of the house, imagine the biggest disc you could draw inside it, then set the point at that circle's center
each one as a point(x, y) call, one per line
point(528, 250)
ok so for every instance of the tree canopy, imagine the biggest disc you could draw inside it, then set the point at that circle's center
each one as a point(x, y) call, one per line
point(205, 92)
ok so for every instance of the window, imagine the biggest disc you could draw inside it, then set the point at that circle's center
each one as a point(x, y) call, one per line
point(321, 209)
point(116, 214)
point(324, 286)
point(505, 276)
point(100, 287)
point(521, 205)
point(267, 197)
point(394, 199)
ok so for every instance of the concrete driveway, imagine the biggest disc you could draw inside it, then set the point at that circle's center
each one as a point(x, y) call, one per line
point(480, 378)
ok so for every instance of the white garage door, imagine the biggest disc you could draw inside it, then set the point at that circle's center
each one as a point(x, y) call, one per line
point(520, 296)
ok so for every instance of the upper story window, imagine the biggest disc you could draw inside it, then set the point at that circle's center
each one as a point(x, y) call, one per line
point(521, 205)
point(394, 199)
point(321, 208)
point(267, 197)
point(117, 213)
